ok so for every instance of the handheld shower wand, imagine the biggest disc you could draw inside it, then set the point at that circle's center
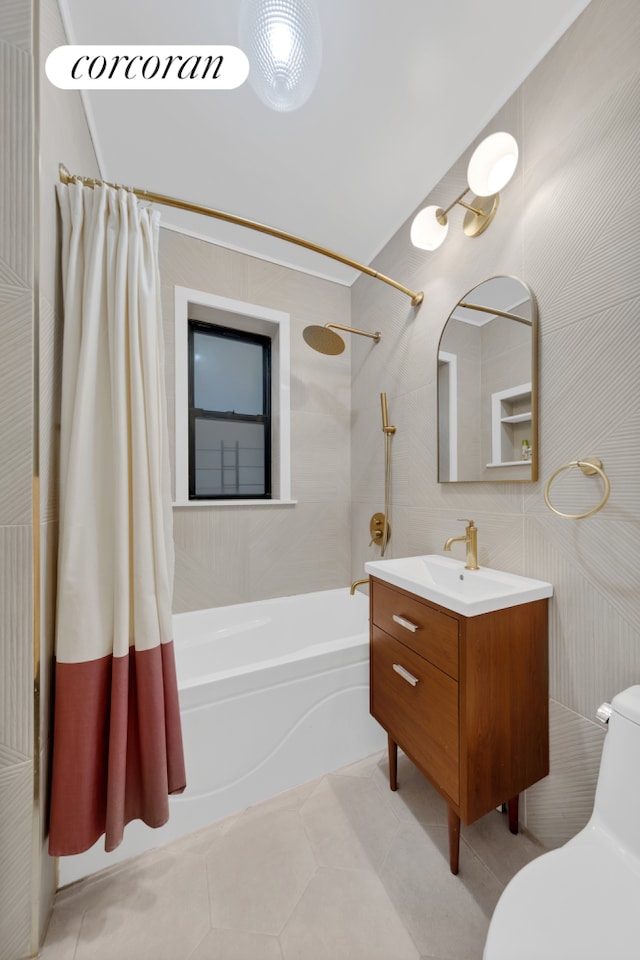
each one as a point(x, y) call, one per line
point(388, 433)
point(385, 415)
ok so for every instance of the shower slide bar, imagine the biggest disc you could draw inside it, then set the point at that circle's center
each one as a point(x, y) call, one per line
point(66, 177)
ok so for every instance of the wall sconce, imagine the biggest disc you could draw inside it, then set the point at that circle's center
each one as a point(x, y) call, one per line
point(490, 169)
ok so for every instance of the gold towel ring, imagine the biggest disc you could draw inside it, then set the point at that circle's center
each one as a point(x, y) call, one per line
point(589, 466)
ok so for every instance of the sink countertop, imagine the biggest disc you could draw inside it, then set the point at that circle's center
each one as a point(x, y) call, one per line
point(445, 581)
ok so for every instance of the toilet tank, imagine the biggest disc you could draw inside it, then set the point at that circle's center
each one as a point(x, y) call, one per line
point(618, 791)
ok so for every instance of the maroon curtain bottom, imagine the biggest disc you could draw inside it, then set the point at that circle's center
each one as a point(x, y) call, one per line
point(117, 747)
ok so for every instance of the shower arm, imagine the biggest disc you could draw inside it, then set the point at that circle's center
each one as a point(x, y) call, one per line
point(361, 333)
point(66, 177)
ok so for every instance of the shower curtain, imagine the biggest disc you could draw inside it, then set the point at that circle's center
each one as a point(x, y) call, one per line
point(117, 742)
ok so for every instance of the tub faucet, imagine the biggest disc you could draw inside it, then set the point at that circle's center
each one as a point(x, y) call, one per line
point(471, 540)
point(356, 583)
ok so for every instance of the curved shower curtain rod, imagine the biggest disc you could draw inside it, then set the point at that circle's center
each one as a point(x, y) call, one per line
point(66, 177)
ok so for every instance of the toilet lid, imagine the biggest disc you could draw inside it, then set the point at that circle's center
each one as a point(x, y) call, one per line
point(581, 902)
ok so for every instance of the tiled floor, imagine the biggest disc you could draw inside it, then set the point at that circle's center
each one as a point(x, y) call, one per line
point(338, 869)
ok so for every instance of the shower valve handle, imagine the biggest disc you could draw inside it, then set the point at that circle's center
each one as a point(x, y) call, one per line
point(376, 528)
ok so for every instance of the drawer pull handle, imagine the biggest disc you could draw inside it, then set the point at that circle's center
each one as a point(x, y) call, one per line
point(405, 623)
point(409, 677)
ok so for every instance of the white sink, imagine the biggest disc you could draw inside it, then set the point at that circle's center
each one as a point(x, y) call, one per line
point(444, 581)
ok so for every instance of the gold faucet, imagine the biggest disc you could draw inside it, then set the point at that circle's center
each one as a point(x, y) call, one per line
point(356, 583)
point(471, 540)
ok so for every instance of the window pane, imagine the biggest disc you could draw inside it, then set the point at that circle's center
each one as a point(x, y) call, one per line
point(229, 458)
point(227, 374)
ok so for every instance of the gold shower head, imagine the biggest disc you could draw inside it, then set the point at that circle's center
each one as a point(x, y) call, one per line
point(324, 340)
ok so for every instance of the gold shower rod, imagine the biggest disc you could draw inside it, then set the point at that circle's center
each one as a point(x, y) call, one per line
point(66, 177)
point(494, 313)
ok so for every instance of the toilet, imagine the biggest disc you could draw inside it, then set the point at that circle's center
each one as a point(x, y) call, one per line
point(582, 901)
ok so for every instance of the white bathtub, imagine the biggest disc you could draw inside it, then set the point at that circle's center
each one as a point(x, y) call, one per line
point(272, 693)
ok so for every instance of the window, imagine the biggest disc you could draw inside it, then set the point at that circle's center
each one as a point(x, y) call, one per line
point(222, 412)
point(229, 413)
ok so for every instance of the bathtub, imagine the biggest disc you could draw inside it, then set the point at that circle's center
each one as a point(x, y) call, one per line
point(272, 694)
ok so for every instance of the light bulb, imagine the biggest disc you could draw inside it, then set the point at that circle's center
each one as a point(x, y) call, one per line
point(492, 164)
point(283, 42)
point(427, 232)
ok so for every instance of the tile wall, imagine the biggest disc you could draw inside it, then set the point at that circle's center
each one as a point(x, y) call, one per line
point(40, 126)
point(16, 446)
point(231, 554)
point(568, 226)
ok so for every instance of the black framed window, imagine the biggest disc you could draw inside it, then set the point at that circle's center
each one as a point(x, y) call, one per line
point(229, 413)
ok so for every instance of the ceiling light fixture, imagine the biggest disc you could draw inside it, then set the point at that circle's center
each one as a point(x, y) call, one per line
point(283, 42)
point(491, 167)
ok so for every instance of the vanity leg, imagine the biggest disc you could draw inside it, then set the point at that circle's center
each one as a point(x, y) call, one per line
point(454, 839)
point(512, 806)
point(393, 763)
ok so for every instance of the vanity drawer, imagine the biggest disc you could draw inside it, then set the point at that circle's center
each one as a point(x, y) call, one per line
point(435, 636)
point(421, 717)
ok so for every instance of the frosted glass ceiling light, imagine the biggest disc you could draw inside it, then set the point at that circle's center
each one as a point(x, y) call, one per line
point(283, 42)
point(491, 167)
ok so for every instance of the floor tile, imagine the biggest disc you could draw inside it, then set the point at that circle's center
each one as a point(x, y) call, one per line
point(158, 912)
point(236, 945)
point(361, 768)
point(62, 934)
point(415, 799)
point(446, 915)
point(346, 915)
point(502, 852)
point(350, 824)
point(341, 868)
point(258, 871)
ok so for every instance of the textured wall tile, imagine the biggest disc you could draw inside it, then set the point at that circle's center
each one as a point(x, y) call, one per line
point(16, 160)
point(316, 473)
point(603, 42)
point(212, 556)
point(16, 809)
point(202, 266)
point(580, 267)
point(593, 615)
point(300, 550)
point(578, 420)
point(15, 23)
point(561, 804)
point(16, 388)
point(16, 643)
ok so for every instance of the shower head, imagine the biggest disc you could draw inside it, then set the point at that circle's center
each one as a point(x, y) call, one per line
point(324, 340)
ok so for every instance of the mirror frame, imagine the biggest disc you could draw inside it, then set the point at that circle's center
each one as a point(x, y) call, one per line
point(534, 386)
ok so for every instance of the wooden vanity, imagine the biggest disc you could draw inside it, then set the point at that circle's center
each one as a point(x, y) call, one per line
point(465, 698)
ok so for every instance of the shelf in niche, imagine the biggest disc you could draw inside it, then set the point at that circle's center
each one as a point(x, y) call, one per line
point(511, 463)
point(511, 411)
point(517, 418)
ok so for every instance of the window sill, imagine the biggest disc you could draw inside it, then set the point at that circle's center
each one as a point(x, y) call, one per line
point(233, 503)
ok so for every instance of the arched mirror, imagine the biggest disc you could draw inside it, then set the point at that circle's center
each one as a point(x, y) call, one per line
point(488, 385)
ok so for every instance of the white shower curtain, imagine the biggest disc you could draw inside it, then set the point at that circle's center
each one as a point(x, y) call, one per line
point(117, 751)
